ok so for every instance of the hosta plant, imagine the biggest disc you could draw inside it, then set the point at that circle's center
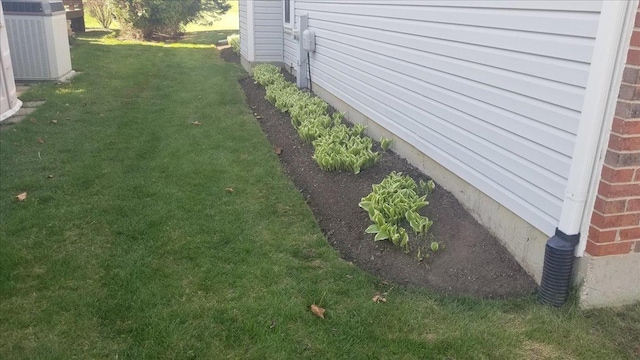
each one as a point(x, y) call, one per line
point(266, 74)
point(393, 203)
point(234, 42)
point(385, 143)
point(342, 148)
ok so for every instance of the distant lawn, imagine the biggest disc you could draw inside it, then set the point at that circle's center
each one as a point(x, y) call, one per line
point(158, 238)
point(229, 21)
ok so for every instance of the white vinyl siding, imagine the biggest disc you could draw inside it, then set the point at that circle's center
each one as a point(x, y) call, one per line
point(492, 90)
point(290, 52)
point(244, 32)
point(268, 30)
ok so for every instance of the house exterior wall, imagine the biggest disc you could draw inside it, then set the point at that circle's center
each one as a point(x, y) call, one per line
point(612, 274)
point(290, 50)
point(244, 28)
point(490, 90)
point(268, 30)
point(487, 98)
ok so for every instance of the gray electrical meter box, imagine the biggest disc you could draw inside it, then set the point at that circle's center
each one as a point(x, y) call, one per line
point(309, 40)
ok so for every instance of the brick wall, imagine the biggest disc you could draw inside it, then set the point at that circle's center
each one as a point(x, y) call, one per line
point(615, 223)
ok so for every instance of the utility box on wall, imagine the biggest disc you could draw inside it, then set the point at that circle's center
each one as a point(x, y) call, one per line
point(37, 31)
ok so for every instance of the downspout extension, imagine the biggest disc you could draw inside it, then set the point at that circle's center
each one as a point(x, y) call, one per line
point(560, 250)
point(558, 268)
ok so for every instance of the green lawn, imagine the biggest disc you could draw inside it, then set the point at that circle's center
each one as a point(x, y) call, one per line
point(229, 22)
point(135, 249)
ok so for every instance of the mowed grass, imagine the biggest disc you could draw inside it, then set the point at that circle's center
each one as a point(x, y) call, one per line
point(136, 249)
point(229, 22)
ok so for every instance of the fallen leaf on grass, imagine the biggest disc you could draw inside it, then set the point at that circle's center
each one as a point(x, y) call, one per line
point(379, 298)
point(21, 197)
point(273, 324)
point(196, 123)
point(50, 176)
point(229, 190)
point(258, 117)
point(318, 311)
point(40, 141)
point(33, 120)
point(54, 121)
point(277, 150)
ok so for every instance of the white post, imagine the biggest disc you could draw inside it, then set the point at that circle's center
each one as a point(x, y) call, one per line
point(302, 69)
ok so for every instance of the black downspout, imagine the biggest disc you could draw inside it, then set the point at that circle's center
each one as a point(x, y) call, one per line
point(558, 268)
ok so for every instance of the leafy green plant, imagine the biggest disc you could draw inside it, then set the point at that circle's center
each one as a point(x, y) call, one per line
point(392, 203)
point(267, 74)
point(341, 148)
point(337, 147)
point(234, 42)
point(427, 187)
point(435, 246)
point(385, 143)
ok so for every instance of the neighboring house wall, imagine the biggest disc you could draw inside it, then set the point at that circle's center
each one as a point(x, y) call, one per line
point(491, 90)
point(244, 29)
point(613, 264)
point(268, 30)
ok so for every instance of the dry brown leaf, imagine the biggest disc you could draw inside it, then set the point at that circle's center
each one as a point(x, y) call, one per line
point(229, 190)
point(54, 121)
point(50, 176)
point(196, 123)
point(317, 310)
point(277, 150)
point(40, 141)
point(379, 298)
point(21, 197)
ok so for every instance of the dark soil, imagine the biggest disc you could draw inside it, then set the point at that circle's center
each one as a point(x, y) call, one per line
point(227, 54)
point(473, 262)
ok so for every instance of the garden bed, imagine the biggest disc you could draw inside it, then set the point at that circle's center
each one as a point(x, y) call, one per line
point(473, 261)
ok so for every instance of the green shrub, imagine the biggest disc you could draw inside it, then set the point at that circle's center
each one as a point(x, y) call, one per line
point(234, 42)
point(149, 18)
point(101, 10)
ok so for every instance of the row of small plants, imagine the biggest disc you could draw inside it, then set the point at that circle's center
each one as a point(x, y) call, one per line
point(393, 204)
point(336, 146)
